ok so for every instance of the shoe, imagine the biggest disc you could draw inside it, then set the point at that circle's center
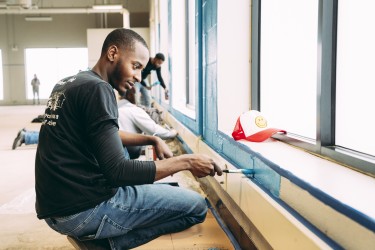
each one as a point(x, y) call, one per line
point(19, 139)
point(101, 244)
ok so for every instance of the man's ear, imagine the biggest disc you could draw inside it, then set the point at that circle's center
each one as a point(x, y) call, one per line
point(112, 53)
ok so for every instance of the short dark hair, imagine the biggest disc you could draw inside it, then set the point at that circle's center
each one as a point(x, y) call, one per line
point(122, 38)
point(160, 56)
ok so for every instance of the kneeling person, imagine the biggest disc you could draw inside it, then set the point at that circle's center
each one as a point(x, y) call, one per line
point(85, 188)
point(136, 120)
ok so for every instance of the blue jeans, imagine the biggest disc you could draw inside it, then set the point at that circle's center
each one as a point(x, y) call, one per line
point(135, 215)
point(126, 153)
point(143, 96)
point(31, 137)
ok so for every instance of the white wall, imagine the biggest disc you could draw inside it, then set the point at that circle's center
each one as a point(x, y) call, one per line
point(233, 61)
point(65, 31)
point(96, 37)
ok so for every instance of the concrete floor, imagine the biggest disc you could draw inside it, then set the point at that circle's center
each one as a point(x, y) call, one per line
point(20, 228)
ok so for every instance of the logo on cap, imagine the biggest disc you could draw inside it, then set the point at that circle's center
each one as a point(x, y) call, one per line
point(261, 122)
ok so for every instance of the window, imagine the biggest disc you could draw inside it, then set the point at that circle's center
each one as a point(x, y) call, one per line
point(179, 57)
point(183, 64)
point(233, 62)
point(1, 77)
point(163, 41)
point(355, 77)
point(192, 52)
point(51, 65)
point(288, 64)
point(314, 78)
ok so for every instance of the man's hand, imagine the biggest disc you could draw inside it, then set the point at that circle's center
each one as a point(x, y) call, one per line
point(202, 165)
point(162, 150)
point(199, 165)
point(166, 94)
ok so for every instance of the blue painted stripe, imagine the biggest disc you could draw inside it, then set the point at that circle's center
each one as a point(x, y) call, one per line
point(223, 226)
point(337, 205)
point(361, 218)
point(184, 145)
point(267, 176)
point(294, 213)
point(333, 244)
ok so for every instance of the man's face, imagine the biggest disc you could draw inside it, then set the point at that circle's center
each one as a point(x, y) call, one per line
point(128, 67)
point(158, 62)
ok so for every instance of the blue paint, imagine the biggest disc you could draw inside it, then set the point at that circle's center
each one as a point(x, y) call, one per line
point(333, 244)
point(267, 174)
point(361, 218)
point(244, 171)
point(229, 148)
point(305, 222)
point(186, 148)
point(187, 121)
point(267, 177)
point(224, 227)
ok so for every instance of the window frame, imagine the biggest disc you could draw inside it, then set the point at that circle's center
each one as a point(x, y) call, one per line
point(324, 145)
point(1, 76)
point(193, 123)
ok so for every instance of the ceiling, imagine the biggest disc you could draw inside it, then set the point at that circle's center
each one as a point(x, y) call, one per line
point(68, 6)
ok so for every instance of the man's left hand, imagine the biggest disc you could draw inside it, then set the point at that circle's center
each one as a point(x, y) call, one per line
point(161, 149)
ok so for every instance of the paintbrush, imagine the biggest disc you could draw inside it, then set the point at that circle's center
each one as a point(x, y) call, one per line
point(239, 170)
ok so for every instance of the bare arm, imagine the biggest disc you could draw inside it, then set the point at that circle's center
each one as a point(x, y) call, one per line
point(132, 139)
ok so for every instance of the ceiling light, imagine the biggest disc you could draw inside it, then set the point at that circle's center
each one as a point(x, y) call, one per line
point(38, 18)
point(107, 7)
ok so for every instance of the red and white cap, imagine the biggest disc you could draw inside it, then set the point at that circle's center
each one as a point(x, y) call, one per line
point(252, 126)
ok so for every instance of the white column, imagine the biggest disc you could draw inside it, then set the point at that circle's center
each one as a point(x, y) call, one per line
point(125, 19)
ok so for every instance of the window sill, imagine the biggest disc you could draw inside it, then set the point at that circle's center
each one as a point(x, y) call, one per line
point(332, 201)
point(341, 184)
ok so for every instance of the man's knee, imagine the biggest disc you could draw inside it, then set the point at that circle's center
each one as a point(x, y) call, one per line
point(199, 211)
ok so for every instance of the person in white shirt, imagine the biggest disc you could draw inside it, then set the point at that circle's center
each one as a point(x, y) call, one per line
point(132, 118)
point(136, 120)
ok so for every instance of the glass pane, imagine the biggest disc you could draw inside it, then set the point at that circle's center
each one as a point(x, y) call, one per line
point(179, 56)
point(1, 77)
point(192, 53)
point(233, 62)
point(164, 46)
point(355, 76)
point(51, 65)
point(288, 64)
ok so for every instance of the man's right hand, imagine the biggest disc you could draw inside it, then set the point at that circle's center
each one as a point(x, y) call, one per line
point(166, 94)
point(202, 165)
point(199, 165)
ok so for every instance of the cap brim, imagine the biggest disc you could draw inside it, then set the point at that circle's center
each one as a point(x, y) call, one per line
point(264, 134)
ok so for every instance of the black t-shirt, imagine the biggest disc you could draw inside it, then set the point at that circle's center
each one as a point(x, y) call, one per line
point(80, 160)
point(147, 70)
